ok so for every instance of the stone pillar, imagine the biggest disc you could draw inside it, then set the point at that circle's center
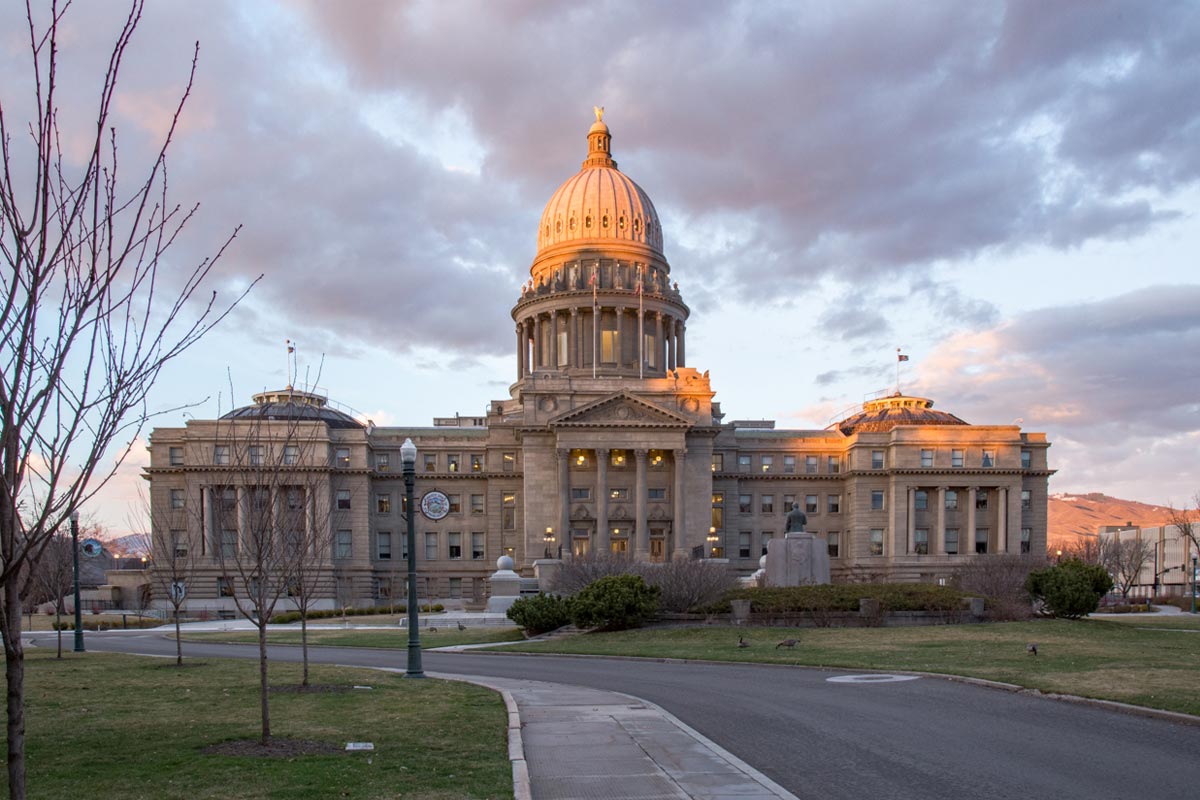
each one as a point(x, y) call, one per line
point(937, 545)
point(680, 338)
point(670, 343)
point(678, 523)
point(537, 342)
point(891, 545)
point(658, 341)
point(1002, 519)
point(639, 507)
point(564, 501)
point(602, 542)
point(521, 356)
point(970, 534)
point(1015, 520)
point(912, 518)
point(575, 346)
point(554, 340)
point(243, 518)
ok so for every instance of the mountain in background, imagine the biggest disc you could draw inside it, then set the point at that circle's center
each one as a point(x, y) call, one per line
point(134, 545)
point(1072, 514)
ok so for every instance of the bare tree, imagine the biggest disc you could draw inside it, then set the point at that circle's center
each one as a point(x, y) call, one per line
point(54, 579)
point(172, 563)
point(1125, 559)
point(1001, 579)
point(1187, 520)
point(86, 321)
point(578, 572)
point(687, 583)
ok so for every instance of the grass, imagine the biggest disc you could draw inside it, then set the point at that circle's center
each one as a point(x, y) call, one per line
point(101, 725)
point(395, 638)
point(1154, 665)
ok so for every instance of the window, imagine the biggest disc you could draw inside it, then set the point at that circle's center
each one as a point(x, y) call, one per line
point(1026, 459)
point(766, 540)
point(404, 547)
point(294, 499)
point(291, 455)
point(920, 500)
point(508, 511)
point(989, 458)
point(833, 540)
point(718, 510)
point(229, 543)
point(455, 503)
point(767, 503)
point(452, 462)
point(341, 457)
point(951, 541)
point(876, 541)
point(383, 462)
point(175, 456)
point(454, 546)
point(476, 462)
point(508, 462)
point(789, 464)
point(926, 458)
point(456, 588)
point(718, 462)
point(343, 500)
point(177, 498)
point(381, 588)
point(1026, 538)
point(1026, 500)
point(617, 458)
point(618, 494)
point(179, 543)
point(876, 459)
point(224, 587)
point(956, 458)
point(581, 543)
point(789, 500)
point(430, 462)
point(834, 503)
point(835, 465)
point(810, 465)
point(431, 546)
point(981, 540)
point(744, 463)
point(744, 544)
point(656, 494)
point(877, 500)
point(476, 504)
point(608, 343)
point(810, 504)
point(221, 455)
point(981, 500)
point(768, 463)
point(746, 503)
point(921, 541)
point(951, 499)
point(383, 544)
point(581, 493)
point(254, 453)
point(477, 546)
point(383, 503)
point(345, 544)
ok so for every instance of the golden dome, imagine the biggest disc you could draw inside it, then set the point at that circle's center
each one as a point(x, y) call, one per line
point(599, 205)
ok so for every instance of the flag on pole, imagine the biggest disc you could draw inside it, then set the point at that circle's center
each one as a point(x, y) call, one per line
point(901, 357)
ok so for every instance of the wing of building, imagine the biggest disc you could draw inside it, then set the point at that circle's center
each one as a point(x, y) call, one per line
point(610, 441)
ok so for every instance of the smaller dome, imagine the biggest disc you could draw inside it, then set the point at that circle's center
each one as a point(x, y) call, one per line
point(293, 405)
point(885, 413)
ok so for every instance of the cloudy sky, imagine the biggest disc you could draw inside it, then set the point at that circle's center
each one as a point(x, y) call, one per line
point(1007, 191)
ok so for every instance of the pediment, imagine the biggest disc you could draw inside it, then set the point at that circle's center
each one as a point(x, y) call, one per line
point(622, 410)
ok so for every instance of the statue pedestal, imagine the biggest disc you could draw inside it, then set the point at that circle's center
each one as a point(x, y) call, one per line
point(798, 559)
point(504, 586)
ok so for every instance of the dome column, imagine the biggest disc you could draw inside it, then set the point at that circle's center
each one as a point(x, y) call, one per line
point(680, 338)
point(521, 358)
point(573, 341)
point(553, 340)
point(670, 342)
point(538, 359)
point(658, 340)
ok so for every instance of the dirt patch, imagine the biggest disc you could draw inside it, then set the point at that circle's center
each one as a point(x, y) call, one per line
point(186, 663)
point(274, 748)
point(313, 688)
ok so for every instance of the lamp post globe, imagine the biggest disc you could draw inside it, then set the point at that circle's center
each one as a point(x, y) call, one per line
point(75, 564)
point(408, 459)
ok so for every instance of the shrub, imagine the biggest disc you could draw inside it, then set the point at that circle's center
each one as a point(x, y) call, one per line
point(584, 570)
point(540, 613)
point(819, 601)
point(687, 583)
point(1001, 579)
point(614, 602)
point(1071, 589)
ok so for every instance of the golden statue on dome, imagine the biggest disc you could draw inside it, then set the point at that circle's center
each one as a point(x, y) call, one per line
point(599, 112)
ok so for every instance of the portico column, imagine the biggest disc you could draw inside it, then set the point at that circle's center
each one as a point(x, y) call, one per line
point(602, 543)
point(912, 519)
point(970, 537)
point(678, 524)
point(243, 518)
point(564, 501)
point(1015, 519)
point(553, 340)
point(1001, 519)
point(940, 528)
point(680, 339)
point(639, 507)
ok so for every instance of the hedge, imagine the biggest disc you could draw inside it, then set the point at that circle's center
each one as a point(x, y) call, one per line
point(843, 597)
point(284, 617)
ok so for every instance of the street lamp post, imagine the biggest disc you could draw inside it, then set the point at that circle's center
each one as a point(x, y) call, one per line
point(75, 562)
point(712, 542)
point(408, 457)
point(549, 540)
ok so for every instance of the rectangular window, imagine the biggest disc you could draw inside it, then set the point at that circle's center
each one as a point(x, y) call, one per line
point(767, 503)
point(452, 462)
point(429, 462)
point(926, 458)
point(951, 541)
point(833, 539)
point(956, 458)
point(456, 588)
point(383, 544)
point(810, 504)
point(455, 503)
point(1026, 459)
point(291, 455)
point(834, 503)
point(254, 454)
point(766, 540)
point(476, 462)
point(221, 455)
point(718, 510)
point(175, 456)
point(920, 500)
point(744, 544)
point(981, 500)
point(343, 500)
point(921, 541)
point(177, 498)
point(478, 552)
point(746, 503)
point(341, 457)
point(981, 540)
point(810, 465)
point(454, 546)
point(744, 463)
point(383, 503)
point(179, 543)
point(877, 500)
point(619, 493)
point(951, 499)
point(383, 462)
point(345, 544)
point(718, 462)
point(581, 493)
point(1026, 500)
point(508, 511)
point(656, 494)
point(381, 588)
point(1026, 539)
point(404, 547)
point(989, 458)
point(789, 464)
point(789, 500)
point(431, 546)
point(618, 458)
point(477, 504)
point(876, 459)
point(768, 463)
point(508, 462)
point(835, 465)
point(876, 541)
point(608, 346)
point(224, 587)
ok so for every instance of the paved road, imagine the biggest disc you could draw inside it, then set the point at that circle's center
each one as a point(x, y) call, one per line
point(926, 738)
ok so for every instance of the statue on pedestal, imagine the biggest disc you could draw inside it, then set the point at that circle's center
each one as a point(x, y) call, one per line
point(796, 520)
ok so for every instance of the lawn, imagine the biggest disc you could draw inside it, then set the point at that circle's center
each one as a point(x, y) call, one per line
point(101, 725)
point(394, 638)
point(1143, 661)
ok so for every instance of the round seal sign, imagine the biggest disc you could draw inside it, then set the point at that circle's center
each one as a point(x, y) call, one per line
point(435, 505)
point(91, 547)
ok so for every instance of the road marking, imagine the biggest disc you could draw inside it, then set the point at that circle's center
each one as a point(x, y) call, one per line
point(876, 678)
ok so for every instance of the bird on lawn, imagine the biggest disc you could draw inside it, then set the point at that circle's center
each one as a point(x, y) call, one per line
point(461, 627)
point(432, 629)
point(788, 643)
point(742, 642)
point(1031, 648)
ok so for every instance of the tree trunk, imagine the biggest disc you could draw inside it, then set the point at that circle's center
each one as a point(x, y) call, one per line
point(14, 676)
point(178, 641)
point(262, 682)
point(57, 626)
point(304, 640)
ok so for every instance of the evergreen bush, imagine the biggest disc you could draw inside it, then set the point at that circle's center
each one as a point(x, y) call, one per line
point(1070, 590)
point(540, 613)
point(615, 602)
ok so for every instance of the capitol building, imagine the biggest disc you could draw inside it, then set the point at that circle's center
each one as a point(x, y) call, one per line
point(610, 441)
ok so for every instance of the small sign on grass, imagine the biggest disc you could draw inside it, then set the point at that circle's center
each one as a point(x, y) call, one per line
point(360, 745)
